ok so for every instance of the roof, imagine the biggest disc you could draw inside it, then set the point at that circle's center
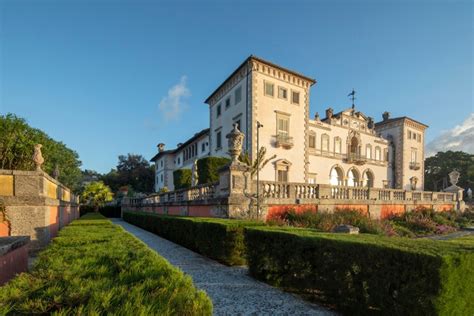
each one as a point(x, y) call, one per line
point(252, 57)
point(338, 114)
point(399, 119)
point(189, 141)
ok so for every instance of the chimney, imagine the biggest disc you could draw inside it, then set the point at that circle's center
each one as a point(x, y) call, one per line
point(329, 113)
point(161, 147)
point(386, 115)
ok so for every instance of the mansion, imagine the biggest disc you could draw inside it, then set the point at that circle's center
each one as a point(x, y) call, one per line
point(346, 148)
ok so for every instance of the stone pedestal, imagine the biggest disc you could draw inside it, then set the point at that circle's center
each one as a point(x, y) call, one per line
point(461, 205)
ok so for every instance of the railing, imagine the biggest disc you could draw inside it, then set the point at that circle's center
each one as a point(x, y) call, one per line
point(352, 157)
point(356, 158)
point(274, 191)
point(283, 140)
point(415, 165)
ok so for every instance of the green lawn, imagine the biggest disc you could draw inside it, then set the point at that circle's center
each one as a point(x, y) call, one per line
point(94, 267)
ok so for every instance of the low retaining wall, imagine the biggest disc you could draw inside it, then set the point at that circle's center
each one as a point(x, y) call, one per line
point(13, 257)
point(34, 204)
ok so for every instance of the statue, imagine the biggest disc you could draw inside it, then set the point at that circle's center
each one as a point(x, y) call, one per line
point(195, 177)
point(316, 117)
point(454, 177)
point(38, 157)
point(56, 172)
point(236, 139)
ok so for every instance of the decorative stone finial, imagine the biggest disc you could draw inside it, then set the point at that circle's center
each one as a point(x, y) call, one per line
point(386, 115)
point(316, 117)
point(56, 172)
point(329, 113)
point(370, 123)
point(235, 141)
point(38, 157)
point(454, 177)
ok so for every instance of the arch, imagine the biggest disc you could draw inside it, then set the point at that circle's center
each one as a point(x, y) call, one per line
point(336, 175)
point(368, 178)
point(353, 177)
point(354, 143)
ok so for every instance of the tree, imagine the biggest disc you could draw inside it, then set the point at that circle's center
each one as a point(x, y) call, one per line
point(133, 171)
point(439, 166)
point(259, 163)
point(96, 194)
point(17, 140)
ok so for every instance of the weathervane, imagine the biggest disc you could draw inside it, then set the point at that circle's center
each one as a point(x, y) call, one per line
point(352, 95)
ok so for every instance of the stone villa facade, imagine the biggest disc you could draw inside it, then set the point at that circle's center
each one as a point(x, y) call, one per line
point(346, 148)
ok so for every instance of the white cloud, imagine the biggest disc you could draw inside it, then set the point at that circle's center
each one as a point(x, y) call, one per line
point(173, 104)
point(460, 138)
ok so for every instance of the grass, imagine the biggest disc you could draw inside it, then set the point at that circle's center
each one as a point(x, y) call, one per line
point(95, 268)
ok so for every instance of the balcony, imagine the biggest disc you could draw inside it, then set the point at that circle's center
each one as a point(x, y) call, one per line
point(284, 141)
point(415, 165)
point(356, 159)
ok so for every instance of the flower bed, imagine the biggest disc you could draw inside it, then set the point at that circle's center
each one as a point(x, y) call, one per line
point(96, 268)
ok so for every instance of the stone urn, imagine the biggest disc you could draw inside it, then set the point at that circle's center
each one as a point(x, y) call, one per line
point(38, 157)
point(235, 142)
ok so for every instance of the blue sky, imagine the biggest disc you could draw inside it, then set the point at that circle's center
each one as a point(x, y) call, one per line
point(94, 73)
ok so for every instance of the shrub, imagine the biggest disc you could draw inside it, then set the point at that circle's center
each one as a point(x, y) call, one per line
point(366, 274)
point(182, 178)
point(219, 239)
point(208, 168)
point(96, 268)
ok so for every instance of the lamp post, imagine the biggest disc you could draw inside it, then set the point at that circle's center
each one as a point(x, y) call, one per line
point(258, 169)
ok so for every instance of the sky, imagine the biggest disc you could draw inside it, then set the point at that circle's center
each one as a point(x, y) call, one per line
point(115, 77)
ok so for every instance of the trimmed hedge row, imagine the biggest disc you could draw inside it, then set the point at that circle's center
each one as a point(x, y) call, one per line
point(96, 268)
point(182, 178)
point(366, 274)
point(208, 168)
point(219, 239)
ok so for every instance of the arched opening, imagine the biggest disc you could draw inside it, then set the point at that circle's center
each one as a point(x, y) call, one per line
point(336, 176)
point(368, 179)
point(353, 178)
point(354, 145)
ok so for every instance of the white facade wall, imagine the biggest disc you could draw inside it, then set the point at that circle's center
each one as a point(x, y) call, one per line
point(223, 123)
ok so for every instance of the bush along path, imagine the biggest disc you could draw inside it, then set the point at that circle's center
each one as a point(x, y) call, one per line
point(232, 291)
point(95, 268)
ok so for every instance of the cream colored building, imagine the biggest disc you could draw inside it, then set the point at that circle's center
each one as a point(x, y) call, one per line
point(344, 148)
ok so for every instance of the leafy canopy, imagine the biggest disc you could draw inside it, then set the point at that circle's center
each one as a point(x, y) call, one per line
point(96, 194)
point(439, 166)
point(17, 140)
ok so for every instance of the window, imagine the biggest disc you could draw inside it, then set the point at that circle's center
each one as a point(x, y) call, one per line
point(312, 178)
point(203, 147)
point(325, 142)
point(385, 154)
point(414, 155)
point(227, 103)
point(282, 176)
point(282, 93)
point(179, 160)
point(238, 95)
point(312, 141)
point(218, 140)
point(419, 138)
point(218, 110)
point(295, 97)
point(268, 89)
point(368, 152)
point(337, 145)
point(161, 163)
point(161, 178)
point(283, 125)
point(378, 154)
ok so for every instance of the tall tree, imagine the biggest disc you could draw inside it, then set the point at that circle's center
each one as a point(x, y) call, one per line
point(17, 140)
point(133, 171)
point(439, 166)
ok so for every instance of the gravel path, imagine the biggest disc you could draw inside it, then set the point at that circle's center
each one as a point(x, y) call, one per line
point(232, 291)
point(462, 233)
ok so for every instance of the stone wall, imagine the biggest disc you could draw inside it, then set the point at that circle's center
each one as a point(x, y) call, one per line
point(35, 205)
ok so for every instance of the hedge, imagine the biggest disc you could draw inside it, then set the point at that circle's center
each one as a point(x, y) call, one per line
point(208, 168)
point(366, 274)
point(96, 268)
point(182, 178)
point(219, 239)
